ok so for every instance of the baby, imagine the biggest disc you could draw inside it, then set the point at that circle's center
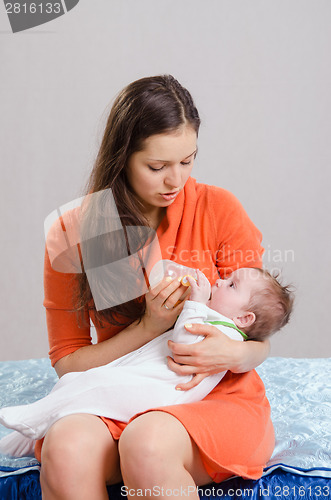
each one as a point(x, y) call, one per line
point(253, 298)
point(249, 304)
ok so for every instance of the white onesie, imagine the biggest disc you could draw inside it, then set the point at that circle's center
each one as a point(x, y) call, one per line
point(131, 384)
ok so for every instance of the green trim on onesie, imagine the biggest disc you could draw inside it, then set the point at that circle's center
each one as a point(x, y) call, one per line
point(231, 325)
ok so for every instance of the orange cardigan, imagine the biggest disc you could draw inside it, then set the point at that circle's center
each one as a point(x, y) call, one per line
point(206, 227)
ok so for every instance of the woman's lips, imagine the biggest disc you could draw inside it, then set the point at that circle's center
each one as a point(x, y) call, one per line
point(169, 196)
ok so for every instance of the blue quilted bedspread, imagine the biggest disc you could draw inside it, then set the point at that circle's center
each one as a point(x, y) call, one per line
point(298, 390)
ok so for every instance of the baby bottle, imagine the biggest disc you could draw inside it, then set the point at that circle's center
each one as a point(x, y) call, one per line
point(164, 268)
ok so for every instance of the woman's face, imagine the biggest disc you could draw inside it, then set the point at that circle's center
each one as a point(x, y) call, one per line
point(160, 170)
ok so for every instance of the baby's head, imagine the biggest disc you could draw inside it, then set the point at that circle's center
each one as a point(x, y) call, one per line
point(255, 300)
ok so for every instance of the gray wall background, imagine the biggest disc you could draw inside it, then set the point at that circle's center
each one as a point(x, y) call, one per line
point(260, 74)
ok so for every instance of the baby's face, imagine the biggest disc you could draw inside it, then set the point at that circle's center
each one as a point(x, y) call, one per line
point(231, 296)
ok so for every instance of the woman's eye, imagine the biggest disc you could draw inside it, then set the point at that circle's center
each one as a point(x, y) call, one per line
point(184, 163)
point(155, 169)
point(231, 284)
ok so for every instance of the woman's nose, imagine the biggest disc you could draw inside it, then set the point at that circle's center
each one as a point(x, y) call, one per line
point(173, 177)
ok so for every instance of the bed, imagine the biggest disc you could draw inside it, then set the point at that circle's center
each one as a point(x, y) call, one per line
point(300, 467)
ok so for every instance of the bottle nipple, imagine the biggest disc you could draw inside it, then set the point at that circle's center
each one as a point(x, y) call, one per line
point(184, 280)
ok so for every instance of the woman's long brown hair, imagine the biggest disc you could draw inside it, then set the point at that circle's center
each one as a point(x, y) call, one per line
point(146, 107)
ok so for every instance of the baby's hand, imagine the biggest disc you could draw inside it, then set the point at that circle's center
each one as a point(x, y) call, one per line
point(200, 289)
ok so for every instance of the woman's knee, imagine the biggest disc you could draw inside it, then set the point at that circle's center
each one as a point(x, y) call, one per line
point(63, 451)
point(77, 446)
point(144, 436)
point(156, 446)
point(148, 445)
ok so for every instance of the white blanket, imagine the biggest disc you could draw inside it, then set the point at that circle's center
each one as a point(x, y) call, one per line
point(134, 383)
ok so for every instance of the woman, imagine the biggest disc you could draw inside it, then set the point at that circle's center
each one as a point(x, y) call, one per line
point(146, 158)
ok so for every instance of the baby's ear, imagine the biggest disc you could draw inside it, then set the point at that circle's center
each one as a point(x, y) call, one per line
point(247, 319)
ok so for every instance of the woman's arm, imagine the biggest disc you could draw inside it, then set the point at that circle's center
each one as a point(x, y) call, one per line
point(91, 356)
point(214, 354)
point(250, 355)
point(157, 320)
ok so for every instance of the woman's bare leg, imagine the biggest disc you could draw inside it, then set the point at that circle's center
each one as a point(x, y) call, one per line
point(79, 456)
point(157, 452)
